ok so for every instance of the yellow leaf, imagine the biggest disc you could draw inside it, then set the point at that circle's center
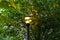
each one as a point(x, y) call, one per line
point(55, 5)
point(33, 10)
point(34, 21)
point(14, 5)
point(18, 6)
point(0, 0)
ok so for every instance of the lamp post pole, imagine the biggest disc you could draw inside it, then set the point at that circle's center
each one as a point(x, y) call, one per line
point(27, 21)
point(27, 35)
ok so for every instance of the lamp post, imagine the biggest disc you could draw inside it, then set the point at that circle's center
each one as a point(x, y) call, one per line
point(27, 21)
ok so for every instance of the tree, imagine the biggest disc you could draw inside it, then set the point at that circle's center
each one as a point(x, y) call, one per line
point(45, 16)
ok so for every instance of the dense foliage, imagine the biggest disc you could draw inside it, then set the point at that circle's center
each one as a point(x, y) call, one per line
point(45, 23)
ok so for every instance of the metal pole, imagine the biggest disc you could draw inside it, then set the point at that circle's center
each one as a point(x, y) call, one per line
point(27, 27)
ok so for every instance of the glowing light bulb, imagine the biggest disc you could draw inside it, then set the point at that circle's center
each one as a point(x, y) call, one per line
point(27, 20)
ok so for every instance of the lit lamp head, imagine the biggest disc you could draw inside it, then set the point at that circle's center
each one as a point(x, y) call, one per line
point(28, 20)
